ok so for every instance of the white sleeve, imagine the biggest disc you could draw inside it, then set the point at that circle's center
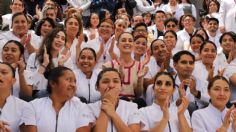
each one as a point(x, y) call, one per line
point(73, 3)
point(84, 116)
point(28, 77)
point(230, 70)
point(222, 12)
point(197, 123)
point(194, 11)
point(31, 63)
point(86, 6)
point(144, 121)
point(29, 115)
point(143, 8)
point(134, 117)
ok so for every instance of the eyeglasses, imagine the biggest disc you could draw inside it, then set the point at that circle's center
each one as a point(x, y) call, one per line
point(105, 26)
point(169, 26)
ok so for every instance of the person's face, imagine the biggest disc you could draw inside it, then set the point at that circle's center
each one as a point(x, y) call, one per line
point(147, 18)
point(46, 28)
point(65, 86)
point(213, 26)
point(126, 43)
point(59, 41)
point(227, 44)
point(20, 25)
point(17, 6)
point(208, 53)
point(51, 14)
point(170, 41)
point(195, 44)
point(94, 20)
point(6, 77)
point(159, 50)
point(11, 53)
point(160, 18)
point(120, 27)
point(163, 87)
point(50, 3)
point(184, 66)
point(171, 26)
point(126, 20)
point(105, 30)
point(86, 61)
point(172, 2)
point(141, 30)
point(72, 27)
point(140, 46)
point(219, 94)
point(136, 20)
point(212, 7)
point(107, 15)
point(188, 22)
point(110, 80)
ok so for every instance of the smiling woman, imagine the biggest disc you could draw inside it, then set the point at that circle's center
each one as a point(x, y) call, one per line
point(63, 111)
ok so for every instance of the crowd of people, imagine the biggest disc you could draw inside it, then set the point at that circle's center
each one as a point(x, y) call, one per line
point(118, 65)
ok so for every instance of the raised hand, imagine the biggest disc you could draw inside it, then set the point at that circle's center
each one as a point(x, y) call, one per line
point(182, 91)
point(226, 121)
point(221, 72)
point(210, 72)
point(45, 57)
point(143, 72)
point(21, 65)
point(165, 110)
point(63, 59)
point(183, 106)
point(4, 126)
point(108, 107)
point(147, 57)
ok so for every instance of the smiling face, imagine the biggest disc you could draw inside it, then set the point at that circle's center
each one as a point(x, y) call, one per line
point(195, 44)
point(170, 41)
point(126, 43)
point(94, 20)
point(219, 94)
point(87, 61)
point(17, 6)
point(65, 87)
point(208, 53)
point(163, 87)
point(59, 41)
point(11, 53)
point(20, 25)
point(140, 46)
point(227, 44)
point(120, 26)
point(72, 27)
point(6, 78)
point(105, 30)
point(159, 50)
point(46, 28)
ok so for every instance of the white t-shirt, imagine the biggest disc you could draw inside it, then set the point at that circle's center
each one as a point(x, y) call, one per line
point(152, 115)
point(127, 111)
point(12, 112)
point(73, 115)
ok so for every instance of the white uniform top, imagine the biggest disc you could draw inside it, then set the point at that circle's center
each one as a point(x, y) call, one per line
point(73, 115)
point(227, 13)
point(143, 6)
point(152, 115)
point(7, 20)
point(216, 40)
point(199, 66)
point(127, 111)
point(9, 35)
point(40, 82)
point(87, 32)
point(81, 4)
point(183, 40)
point(221, 60)
point(229, 71)
point(193, 8)
point(95, 44)
point(177, 13)
point(12, 112)
point(208, 119)
point(28, 78)
point(87, 87)
point(153, 68)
